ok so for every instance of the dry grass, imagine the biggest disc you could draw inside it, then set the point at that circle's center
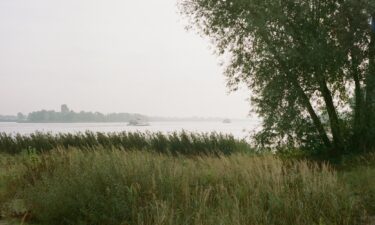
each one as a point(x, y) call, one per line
point(118, 187)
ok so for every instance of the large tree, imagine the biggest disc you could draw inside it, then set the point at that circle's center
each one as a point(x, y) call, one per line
point(310, 65)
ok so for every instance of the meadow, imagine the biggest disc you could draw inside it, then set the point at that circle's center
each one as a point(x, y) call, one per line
point(232, 184)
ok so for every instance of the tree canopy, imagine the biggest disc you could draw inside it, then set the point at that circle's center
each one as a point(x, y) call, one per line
point(310, 66)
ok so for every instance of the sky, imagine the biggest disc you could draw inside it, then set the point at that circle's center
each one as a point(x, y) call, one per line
point(109, 56)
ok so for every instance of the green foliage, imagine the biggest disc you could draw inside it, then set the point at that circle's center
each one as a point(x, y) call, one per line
point(303, 61)
point(67, 116)
point(117, 187)
point(173, 143)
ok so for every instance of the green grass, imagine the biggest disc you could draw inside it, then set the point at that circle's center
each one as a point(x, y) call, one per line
point(173, 143)
point(113, 187)
point(359, 174)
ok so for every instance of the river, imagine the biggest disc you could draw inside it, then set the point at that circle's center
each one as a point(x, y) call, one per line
point(238, 128)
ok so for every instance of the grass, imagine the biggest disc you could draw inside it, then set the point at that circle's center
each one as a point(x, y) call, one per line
point(110, 186)
point(173, 143)
point(178, 178)
point(359, 174)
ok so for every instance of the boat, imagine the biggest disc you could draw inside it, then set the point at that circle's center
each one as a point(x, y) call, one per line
point(138, 122)
point(227, 121)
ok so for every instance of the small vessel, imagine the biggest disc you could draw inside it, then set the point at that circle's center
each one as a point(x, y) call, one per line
point(138, 122)
point(227, 121)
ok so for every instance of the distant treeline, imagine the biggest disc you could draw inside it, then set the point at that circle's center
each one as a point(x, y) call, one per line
point(69, 116)
point(8, 118)
point(65, 115)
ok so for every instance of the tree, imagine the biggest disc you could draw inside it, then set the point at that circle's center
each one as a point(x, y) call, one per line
point(310, 65)
point(21, 117)
point(64, 108)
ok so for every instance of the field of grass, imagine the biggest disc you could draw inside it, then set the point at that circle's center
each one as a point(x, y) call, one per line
point(108, 186)
point(192, 179)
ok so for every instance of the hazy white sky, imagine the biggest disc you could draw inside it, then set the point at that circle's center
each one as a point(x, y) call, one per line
point(109, 56)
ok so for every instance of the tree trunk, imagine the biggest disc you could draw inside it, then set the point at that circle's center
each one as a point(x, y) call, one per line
point(338, 141)
point(304, 98)
point(370, 93)
point(306, 103)
point(316, 120)
point(358, 126)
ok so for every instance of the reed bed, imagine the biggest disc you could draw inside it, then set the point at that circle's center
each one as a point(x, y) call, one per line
point(173, 143)
point(115, 187)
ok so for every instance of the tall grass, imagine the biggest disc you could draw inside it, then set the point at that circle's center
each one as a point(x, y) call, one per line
point(115, 187)
point(360, 176)
point(174, 143)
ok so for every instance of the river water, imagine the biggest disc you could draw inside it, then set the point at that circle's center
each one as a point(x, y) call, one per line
point(238, 128)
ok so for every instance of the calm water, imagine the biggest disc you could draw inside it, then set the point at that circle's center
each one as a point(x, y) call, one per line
point(238, 128)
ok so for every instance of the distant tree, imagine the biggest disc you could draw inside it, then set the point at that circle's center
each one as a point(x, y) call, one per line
point(64, 108)
point(310, 65)
point(21, 116)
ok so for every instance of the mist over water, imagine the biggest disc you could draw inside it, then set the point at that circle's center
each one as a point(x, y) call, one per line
point(122, 56)
point(237, 128)
point(109, 56)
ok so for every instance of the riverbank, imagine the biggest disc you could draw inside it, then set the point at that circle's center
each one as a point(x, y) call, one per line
point(113, 186)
